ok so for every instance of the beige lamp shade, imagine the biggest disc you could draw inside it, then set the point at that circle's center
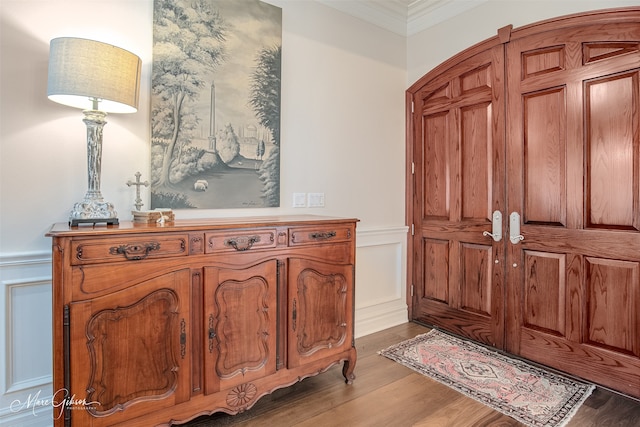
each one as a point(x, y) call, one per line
point(81, 71)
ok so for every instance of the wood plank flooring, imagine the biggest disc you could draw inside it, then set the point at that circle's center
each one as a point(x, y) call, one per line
point(386, 393)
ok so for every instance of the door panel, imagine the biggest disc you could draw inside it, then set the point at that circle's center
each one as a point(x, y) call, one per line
point(459, 161)
point(612, 130)
point(613, 302)
point(477, 168)
point(436, 270)
point(436, 161)
point(544, 157)
point(544, 292)
point(573, 174)
point(476, 279)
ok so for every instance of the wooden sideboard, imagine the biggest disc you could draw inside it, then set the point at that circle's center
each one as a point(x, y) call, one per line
point(158, 324)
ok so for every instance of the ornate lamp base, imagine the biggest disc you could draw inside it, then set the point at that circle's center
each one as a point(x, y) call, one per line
point(93, 210)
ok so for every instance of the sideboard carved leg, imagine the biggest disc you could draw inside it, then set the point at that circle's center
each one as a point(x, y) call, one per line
point(349, 366)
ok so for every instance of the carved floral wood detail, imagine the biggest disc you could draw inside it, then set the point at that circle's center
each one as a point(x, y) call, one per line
point(242, 395)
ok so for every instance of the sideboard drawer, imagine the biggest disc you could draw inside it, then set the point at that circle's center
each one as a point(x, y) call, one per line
point(316, 235)
point(240, 240)
point(130, 248)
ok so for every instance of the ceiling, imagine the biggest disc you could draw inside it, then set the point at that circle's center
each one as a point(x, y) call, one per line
point(404, 17)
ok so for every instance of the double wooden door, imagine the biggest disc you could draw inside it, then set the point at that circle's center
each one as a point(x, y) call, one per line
point(525, 195)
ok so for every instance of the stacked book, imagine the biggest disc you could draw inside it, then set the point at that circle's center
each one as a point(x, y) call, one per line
point(159, 215)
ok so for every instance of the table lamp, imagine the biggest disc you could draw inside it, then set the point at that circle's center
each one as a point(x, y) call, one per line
point(98, 78)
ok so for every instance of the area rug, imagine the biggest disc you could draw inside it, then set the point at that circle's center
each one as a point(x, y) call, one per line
point(522, 391)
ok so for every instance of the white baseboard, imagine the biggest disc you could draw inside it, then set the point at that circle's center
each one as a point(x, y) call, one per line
point(41, 416)
point(371, 322)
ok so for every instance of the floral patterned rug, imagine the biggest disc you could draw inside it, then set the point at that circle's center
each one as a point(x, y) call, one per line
point(527, 393)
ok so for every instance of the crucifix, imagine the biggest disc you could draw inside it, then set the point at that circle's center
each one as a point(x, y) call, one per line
point(137, 183)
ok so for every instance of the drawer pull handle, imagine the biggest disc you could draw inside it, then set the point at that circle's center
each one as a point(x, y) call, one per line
point(242, 243)
point(325, 235)
point(134, 252)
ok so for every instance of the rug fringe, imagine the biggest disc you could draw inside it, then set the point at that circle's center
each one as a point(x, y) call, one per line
point(577, 406)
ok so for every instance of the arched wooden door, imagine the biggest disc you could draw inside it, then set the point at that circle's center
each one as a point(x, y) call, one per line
point(573, 178)
point(542, 125)
point(458, 159)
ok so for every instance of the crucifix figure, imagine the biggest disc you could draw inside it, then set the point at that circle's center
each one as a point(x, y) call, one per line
point(137, 183)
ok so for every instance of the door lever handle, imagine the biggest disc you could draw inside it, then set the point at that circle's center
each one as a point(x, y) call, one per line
point(514, 228)
point(496, 227)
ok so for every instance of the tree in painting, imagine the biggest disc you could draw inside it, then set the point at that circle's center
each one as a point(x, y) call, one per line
point(189, 41)
point(265, 100)
point(260, 150)
point(228, 146)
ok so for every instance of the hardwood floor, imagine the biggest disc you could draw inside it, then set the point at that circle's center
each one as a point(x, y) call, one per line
point(386, 393)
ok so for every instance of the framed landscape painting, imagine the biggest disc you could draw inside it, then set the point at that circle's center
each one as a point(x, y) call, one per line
point(215, 104)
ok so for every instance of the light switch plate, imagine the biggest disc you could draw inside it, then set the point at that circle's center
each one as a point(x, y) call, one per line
point(316, 200)
point(299, 200)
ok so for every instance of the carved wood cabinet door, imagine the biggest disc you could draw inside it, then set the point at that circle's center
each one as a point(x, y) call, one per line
point(320, 310)
point(130, 350)
point(240, 320)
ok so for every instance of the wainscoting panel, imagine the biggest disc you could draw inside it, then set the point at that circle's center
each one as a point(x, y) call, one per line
point(381, 296)
point(25, 344)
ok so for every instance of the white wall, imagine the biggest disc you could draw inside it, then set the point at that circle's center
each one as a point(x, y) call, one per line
point(342, 134)
point(43, 155)
point(342, 117)
point(428, 48)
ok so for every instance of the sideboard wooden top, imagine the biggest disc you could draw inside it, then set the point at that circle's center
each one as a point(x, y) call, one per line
point(63, 229)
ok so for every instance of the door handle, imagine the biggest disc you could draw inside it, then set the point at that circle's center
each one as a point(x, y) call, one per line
point(514, 228)
point(496, 227)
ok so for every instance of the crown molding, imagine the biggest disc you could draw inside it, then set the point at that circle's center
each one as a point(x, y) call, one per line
point(424, 14)
point(403, 17)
